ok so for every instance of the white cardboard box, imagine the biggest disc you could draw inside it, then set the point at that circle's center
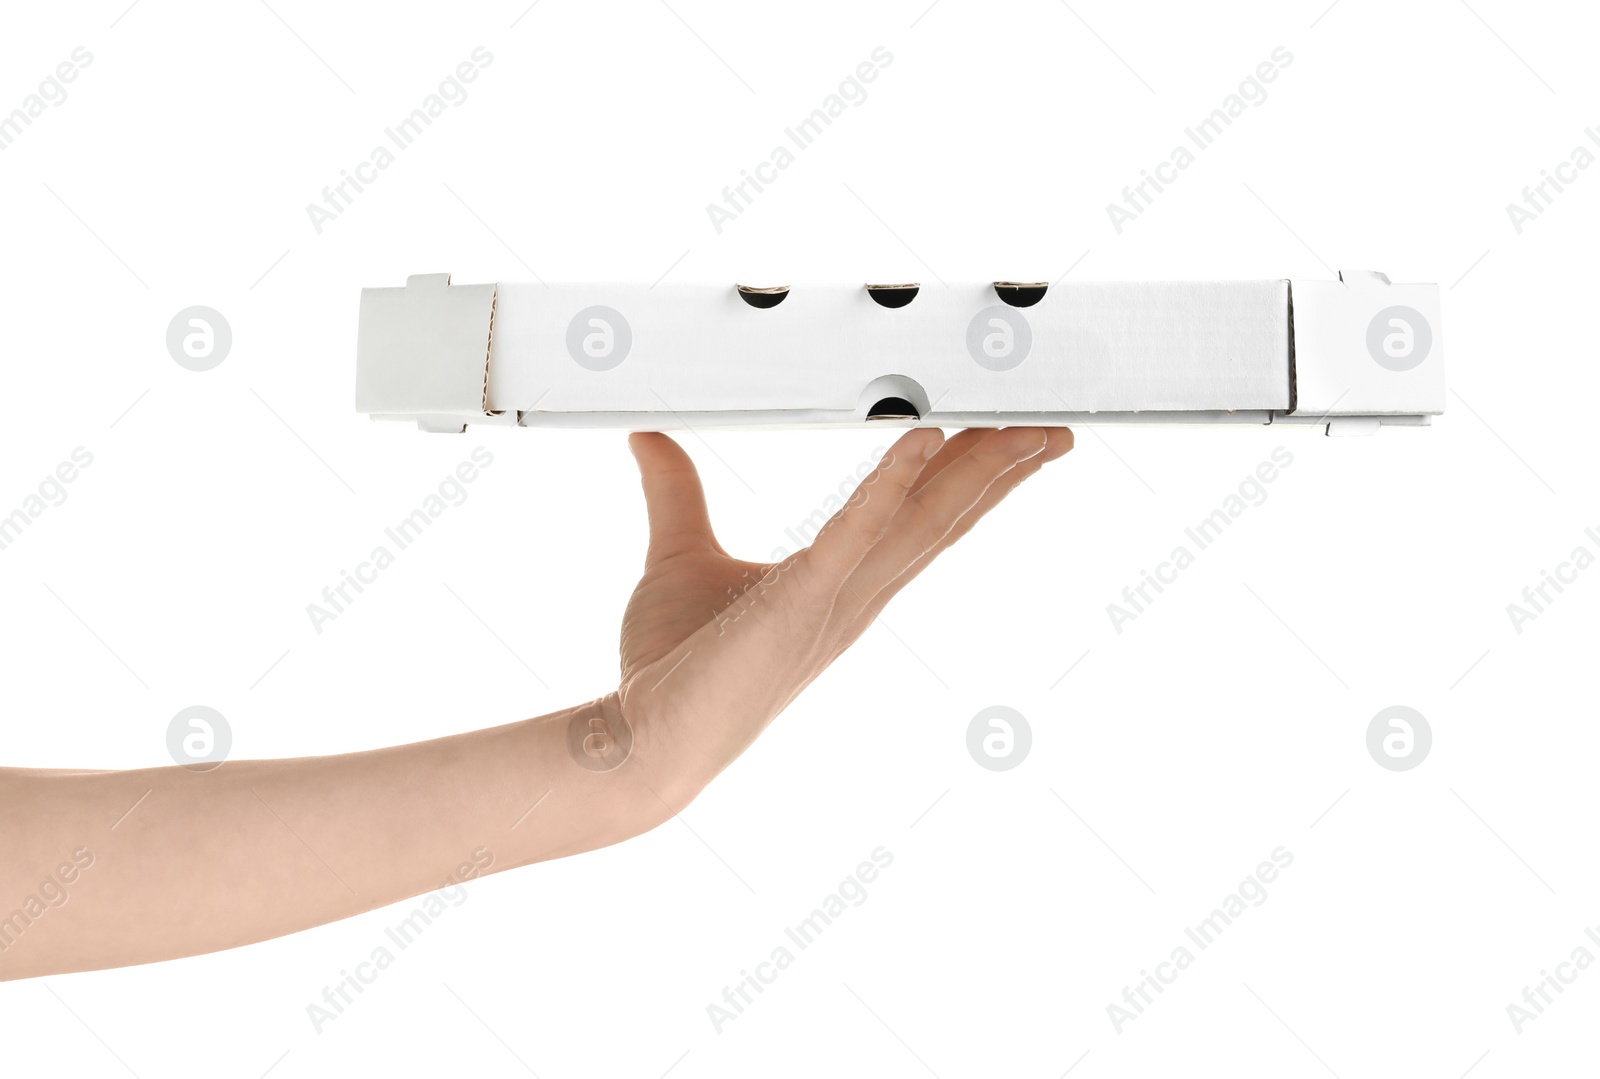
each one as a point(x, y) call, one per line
point(1354, 354)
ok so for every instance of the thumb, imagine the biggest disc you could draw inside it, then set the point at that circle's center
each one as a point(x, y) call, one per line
point(673, 496)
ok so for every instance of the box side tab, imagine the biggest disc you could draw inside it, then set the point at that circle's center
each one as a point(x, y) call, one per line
point(423, 350)
point(1366, 346)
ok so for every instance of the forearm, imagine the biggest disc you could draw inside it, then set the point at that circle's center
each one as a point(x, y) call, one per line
point(172, 862)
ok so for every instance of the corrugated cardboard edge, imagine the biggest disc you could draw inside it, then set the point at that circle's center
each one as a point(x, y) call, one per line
point(488, 349)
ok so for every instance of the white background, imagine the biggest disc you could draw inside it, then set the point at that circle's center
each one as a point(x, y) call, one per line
point(1222, 723)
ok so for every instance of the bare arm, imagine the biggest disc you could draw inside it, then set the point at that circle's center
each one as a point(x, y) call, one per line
point(112, 868)
point(168, 862)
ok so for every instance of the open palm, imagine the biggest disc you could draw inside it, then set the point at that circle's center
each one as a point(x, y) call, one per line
point(714, 647)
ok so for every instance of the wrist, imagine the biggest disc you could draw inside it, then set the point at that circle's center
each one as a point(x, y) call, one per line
point(667, 758)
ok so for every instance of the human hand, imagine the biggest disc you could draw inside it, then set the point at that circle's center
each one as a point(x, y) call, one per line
point(714, 647)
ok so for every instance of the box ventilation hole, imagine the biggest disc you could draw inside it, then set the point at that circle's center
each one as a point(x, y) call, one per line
point(1020, 294)
point(893, 408)
point(763, 297)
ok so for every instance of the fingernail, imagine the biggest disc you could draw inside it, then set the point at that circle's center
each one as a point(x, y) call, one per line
point(932, 448)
